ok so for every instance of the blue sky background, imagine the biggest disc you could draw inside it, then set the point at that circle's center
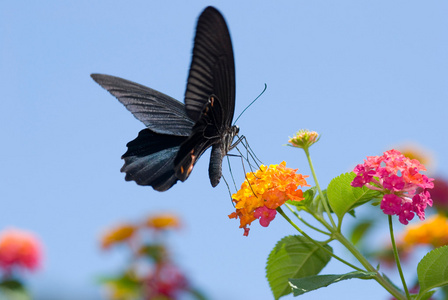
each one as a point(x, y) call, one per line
point(367, 75)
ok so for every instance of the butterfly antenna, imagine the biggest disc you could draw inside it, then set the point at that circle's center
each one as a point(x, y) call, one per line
point(265, 87)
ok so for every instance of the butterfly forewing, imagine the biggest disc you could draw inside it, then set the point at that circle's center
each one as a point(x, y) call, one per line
point(159, 112)
point(212, 69)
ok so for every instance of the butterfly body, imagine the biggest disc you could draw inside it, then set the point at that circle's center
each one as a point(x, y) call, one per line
point(177, 134)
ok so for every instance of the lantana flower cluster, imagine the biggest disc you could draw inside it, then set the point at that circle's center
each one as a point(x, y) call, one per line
point(264, 191)
point(433, 231)
point(405, 189)
point(19, 249)
point(151, 273)
point(124, 232)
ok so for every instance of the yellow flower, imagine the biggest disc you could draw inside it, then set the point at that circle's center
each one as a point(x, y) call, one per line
point(433, 231)
point(162, 221)
point(414, 151)
point(264, 191)
point(117, 235)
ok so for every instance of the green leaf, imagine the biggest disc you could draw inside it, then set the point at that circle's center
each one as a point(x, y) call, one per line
point(154, 252)
point(432, 270)
point(13, 290)
point(6, 294)
point(12, 284)
point(444, 291)
point(303, 285)
point(196, 294)
point(316, 206)
point(312, 202)
point(127, 285)
point(359, 230)
point(343, 197)
point(308, 195)
point(293, 257)
point(426, 296)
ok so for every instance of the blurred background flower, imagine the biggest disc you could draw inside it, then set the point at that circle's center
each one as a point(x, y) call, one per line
point(150, 272)
point(20, 251)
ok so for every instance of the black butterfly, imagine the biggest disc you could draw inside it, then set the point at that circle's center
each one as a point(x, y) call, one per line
point(177, 135)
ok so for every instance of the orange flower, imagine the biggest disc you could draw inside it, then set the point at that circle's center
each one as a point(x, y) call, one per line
point(19, 248)
point(433, 231)
point(162, 221)
point(264, 191)
point(117, 235)
point(413, 151)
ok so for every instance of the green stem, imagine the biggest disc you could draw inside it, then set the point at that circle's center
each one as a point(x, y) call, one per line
point(380, 279)
point(397, 259)
point(279, 209)
point(324, 201)
point(305, 222)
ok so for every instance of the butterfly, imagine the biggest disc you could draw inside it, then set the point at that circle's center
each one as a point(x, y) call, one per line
point(177, 134)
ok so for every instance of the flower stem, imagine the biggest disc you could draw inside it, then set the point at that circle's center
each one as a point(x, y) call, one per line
point(324, 201)
point(305, 222)
point(279, 209)
point(378, 278)
point(397, 259)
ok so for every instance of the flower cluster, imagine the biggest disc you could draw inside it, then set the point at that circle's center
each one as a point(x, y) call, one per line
point(264, 191)
point(124, 233)
point(19, 249)
point(165, 282)
point(163, 221)
point(433, 231)
point(304, 139)
point(118, 234)
point(399, 179)
point(151, 273)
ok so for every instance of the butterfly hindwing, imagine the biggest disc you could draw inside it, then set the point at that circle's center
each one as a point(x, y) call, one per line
point(150, 159)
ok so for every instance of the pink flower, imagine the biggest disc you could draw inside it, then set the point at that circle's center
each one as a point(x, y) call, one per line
point(166, 282)
point(391, 204)
point(266, 215)
point(19, 249)
point(393, 183)
point(399, 179)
